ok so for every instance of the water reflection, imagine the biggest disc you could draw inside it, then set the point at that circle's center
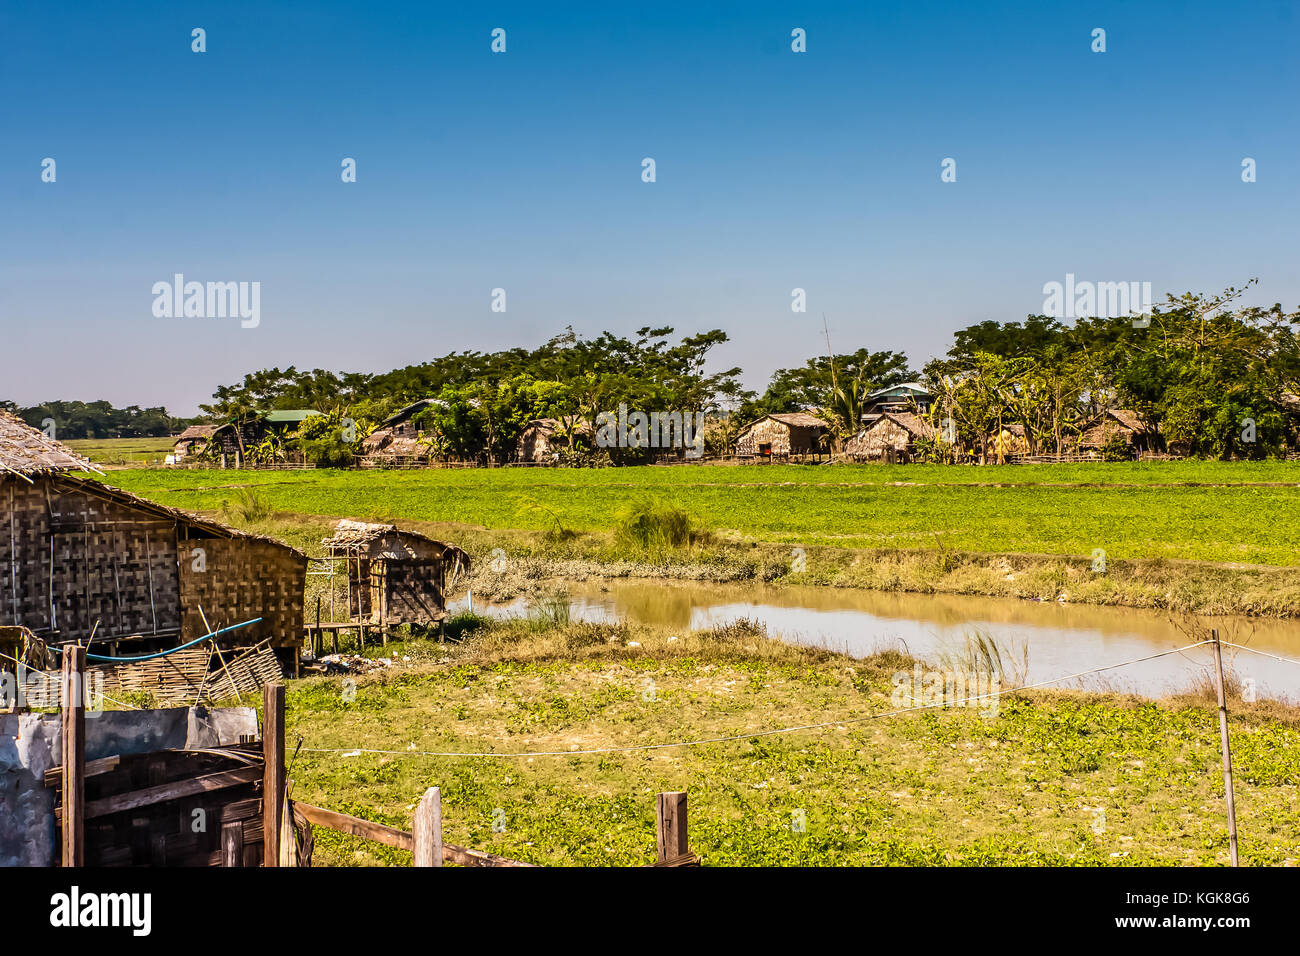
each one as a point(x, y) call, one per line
point(1059, 639)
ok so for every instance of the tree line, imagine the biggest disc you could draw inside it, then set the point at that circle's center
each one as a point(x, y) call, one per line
point(1211, 377)
point(99, 419)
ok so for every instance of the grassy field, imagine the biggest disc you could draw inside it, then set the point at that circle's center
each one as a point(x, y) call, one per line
point(118, 451)
point(1204, 511)
point(1051, 778)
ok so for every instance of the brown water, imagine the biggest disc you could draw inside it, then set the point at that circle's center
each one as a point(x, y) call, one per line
point(1053, 640)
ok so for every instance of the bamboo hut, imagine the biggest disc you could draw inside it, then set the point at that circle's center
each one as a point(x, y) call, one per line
point(544, 438)
point(1010, 442)
point(1124, 423)
point(395, 576)
point(891, 438)
point(192, 441)
point(79, 557)
point(397, 438)
point(783, 435)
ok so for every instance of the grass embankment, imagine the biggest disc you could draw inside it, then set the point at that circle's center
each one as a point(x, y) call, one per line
point(1051, 778)
point(1156, 532)
point(1198, 537)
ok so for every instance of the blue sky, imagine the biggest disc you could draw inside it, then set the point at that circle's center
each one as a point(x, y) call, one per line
point(522, 171)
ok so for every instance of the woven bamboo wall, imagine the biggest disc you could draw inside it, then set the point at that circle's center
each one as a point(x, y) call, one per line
point(242, 579)
point(69, 558)
point(414, 591)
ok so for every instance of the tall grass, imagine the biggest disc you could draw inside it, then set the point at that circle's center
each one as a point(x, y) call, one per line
point(246, 506)
point(980, 654)
point(549, 612)
point(653, 524)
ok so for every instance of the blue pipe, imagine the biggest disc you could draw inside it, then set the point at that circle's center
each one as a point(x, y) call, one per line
point(149, 657)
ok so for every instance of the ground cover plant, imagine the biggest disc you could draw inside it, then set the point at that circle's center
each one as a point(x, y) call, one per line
point(1051, 778)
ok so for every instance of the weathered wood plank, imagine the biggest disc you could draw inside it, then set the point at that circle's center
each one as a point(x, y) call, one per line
point(232, 844)
point(74, 756)
point(273, 772)
point(428, 829)
point(54, 776)
point(671, 836)
point(171, 791)
point(379, 832)
point(466, 857)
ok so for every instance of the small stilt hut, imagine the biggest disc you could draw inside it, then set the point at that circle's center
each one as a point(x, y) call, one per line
point(395, 576)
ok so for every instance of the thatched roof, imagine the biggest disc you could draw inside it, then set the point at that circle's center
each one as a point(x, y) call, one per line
point(349, 532)
point(796, 419)
point(410, 411)
point(1115, 421)
point(1128, 418)
point(26, 451)
point(195, 432)
point(916, 426)
point(350, 536)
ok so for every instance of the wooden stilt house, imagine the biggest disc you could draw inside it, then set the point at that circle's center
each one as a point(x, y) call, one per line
point(395, 576)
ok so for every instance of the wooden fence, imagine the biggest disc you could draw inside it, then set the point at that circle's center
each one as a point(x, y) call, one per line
point(287, 823)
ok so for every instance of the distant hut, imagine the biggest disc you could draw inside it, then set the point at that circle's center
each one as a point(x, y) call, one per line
point(891, 437)
point(79, 557)
point(544, 438)
point(1008, 443)
point(234, 440)
point(395, 576)
point(192, 441)
point(904, 397)
point(1125, 424)
point(397, 438)
point(783, 435)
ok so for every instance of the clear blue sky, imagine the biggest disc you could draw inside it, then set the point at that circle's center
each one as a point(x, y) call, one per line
point(523, 171)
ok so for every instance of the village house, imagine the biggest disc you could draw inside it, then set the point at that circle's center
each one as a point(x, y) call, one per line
point(191, 441)
point(784, 435)
point(890, 437)
point(1007, 443)
point(543, 439)
point(1125, 424)
point(394, 576)
point(397, 438)
point(233, 441)
point(904, 397)
point(78, 557)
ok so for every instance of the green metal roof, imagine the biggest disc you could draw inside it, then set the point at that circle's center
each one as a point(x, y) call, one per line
point(289, 415)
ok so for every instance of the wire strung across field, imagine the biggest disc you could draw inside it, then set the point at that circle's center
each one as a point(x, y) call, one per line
point(357, 751)
point(1276, 657)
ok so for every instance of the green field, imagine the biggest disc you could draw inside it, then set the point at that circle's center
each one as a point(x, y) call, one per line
point(118, 451)
point(1204, 511)
point(1051, 778)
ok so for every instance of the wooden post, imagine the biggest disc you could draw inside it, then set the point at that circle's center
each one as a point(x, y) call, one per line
point(232, 843)
point(670, 827)
point(74, 755)
point(1226, 750)
point(428, 829)
point(318, 645)
point(272, 772)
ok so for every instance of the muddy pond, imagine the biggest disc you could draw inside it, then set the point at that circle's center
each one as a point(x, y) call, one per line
point(1044, 640)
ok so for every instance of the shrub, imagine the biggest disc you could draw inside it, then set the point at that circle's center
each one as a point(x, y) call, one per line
point(247, 506)
point(653, 525)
